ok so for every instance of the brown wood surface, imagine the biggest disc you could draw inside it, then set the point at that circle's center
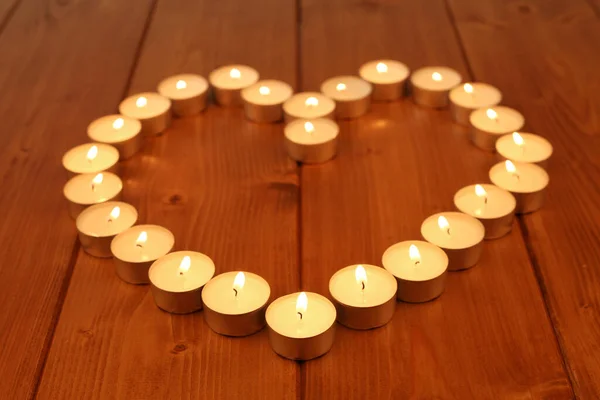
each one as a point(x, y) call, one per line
point(523, 324)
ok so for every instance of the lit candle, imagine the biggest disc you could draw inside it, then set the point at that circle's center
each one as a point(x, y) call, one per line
point(99, 224)
point(308, 105)
point(263, 101)
point(420, 269)
point(431, 85)
point(301, 325)
point(488, 124)
point(228, 82)
point(458, 234)
point(465, 99)
point(119, 131)
point(235, 303)
point(91, 158)
point(82, 191)
point(137, 248)
point(151, 109)
point(177, 279)
point(527, 182)
point(364, 296)
point(492, 206)
point(525, 147)
point(188, 93)
point(351, 94)
point(311, 141)
point(388, 78)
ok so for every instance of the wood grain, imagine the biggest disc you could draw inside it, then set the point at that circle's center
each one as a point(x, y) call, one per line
point(486, 337)
point(54, 79)
point(552, 50)
point(225, 187)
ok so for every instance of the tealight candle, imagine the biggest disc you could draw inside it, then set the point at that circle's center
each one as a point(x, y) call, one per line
point(137, 248)
point(525, 147)
point(472, 96)
point(119, 131)
point(228, 82)
point(188, 93)
point(263, 101)
point(308, 105)
point(91, 158)
point(99, 224)
point(420, 269)
point(431, 85)
point(82, 191)
point(364, 296)
point(235, 302)
point(301, 325)
point(527, 182)
point(311, 141)
point(488, 124)
point(151, 109)
point(492, 206)
point(388, 78)
point(351, 94)
point(458, 234)
point(177, 279)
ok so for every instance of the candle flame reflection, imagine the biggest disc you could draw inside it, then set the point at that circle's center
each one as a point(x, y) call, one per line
point(436, 76)
point(311, 102)
point(264, 90)
point(92, 153)
point(184, 265)
point(468, 88)
point(235, 73)
point(181, 84)
point(301, 304)
point(414, 254)
point(118, 123)
point(141, 102)
point(361, 276)
point(381, 68)
point(309, 127)
point(340, 87)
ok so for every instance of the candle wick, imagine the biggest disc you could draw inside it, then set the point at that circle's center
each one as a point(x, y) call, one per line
point(180, 272)
point(236, 292)
point(485, 199)
point(138, 245)
point(448, 231)
point(363, 285)
point(109, 220)
point(93, 187)
point(417, 262)
point(300, 314)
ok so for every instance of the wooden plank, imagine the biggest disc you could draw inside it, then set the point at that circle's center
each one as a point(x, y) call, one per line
point(55, 77)
point(488, 336)
point(225, 187)
point(551, 47)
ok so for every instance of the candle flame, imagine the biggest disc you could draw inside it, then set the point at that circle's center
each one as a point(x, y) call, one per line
point(142, 238)
point(361, 276)
point(181, 84)
point(414, 254)
point(239, 281)
point(443, 223)
point(468, 87)
point(185, 264)
point(301, 303)
point(436, 76)
point(118, 123)
point(510, 167)
point(311, 102)
point(92, 153)
point(235, 73)
point(518, 139)
point(480, 191)
point(114, 214)
point(381, 68)
point(340, 87)
point(309, 127)
point(97, 179)
point(491, 114)
point(264, 90)
point(141, 102)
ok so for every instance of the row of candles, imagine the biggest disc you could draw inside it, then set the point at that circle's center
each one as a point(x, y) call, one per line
point(301, 325)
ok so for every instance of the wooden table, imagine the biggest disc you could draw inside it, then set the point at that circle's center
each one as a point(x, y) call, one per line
point(523, 324)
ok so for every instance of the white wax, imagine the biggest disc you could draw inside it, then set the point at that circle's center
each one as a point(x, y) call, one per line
point(227, 78)
point(433, 261)
point(267, 92)
point(97, 220)
point(219, 296)
point(154, 106)
point(499, 202)
point(423, 78)
point(81, 189)
point(160, 241)
point(165, 273)
point(531, 177)
point(482, 95)
point(283, 318)
point(389, 71)
point(318, 106)
point(76, 160)
point(346, 88)
point(323, 131)
point(380, 286)
point(108, 129)
point(534, 148)
point(465, 231)
point(507, 120)
point(193, 85)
